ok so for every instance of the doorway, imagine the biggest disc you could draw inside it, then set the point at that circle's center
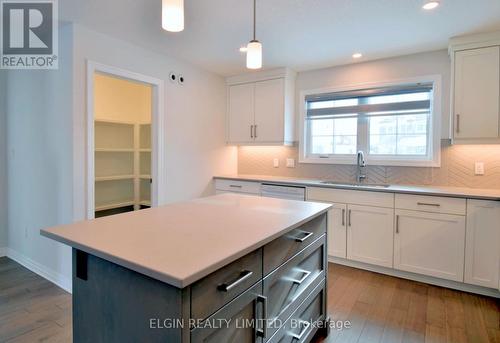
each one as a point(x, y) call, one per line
point(124, 141)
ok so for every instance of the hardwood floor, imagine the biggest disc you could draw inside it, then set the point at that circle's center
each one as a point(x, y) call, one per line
point(32, 309)
point(380, 308)
point(386, 309)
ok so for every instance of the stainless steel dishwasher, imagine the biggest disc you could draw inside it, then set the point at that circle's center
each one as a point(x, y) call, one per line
point(283, 192)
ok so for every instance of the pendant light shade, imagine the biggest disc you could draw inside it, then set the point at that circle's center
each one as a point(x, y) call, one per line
point(172, 15)
point(254, 55)
point(254, 48)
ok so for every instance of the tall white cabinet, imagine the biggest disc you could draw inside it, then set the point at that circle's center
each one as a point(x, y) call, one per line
point(260, 108)
point(476, 88)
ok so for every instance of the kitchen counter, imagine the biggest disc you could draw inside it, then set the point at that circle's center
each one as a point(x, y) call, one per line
point(456, 192)
point(181, 243)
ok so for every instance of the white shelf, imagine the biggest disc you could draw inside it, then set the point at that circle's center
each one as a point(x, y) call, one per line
point(145, 177)
point(113, 178)
point(145, 203)
point(113, 150)
point(116, 205)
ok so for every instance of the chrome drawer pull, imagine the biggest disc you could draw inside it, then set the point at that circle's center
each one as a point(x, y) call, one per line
point(263, 332)
point(307, 235)
point(343, 217)
point(306, 275)
point(246, 274)
point(304, 330)
point(428, 204)
point(235, 186)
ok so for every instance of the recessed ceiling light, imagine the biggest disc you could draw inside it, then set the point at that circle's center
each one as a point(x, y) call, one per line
point(243, 49)
point(430, 4)
point(357, 55)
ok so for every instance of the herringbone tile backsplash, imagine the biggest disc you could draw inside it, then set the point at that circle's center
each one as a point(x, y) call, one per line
point(457, 167)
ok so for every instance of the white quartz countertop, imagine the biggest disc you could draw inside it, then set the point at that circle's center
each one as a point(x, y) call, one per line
point(182, 242)
point(457, 192)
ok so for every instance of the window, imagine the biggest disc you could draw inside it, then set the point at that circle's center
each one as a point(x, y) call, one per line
point(393, 125)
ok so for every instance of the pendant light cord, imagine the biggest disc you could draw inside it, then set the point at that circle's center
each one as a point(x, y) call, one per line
point(254, 18)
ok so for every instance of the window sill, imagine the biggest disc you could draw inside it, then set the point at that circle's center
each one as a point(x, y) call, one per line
point(373, 162)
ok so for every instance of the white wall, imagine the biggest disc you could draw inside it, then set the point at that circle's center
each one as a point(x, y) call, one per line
point(40, 163)
point(195, 116)
point(3, 161)
point(424, 64)
point(47, 140)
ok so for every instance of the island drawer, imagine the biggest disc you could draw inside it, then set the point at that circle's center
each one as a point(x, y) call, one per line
point(304, 322)
point(217, 289)
point(290, 284)
point(283, 248)
point(431, 204)
point(239, 321)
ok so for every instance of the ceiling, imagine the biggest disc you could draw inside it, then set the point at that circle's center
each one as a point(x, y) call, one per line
point(301, 34)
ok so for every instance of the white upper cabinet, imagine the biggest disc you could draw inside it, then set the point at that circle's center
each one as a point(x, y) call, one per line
point(260, 108)
point(269, 109)
point(476, 89)
point(482, 249)
point(241, 113)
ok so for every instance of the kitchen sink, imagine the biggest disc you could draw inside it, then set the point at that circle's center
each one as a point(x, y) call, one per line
point(348, 184)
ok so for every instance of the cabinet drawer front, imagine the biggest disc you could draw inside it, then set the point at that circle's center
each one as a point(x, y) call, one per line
point(431, 204)
point(348, 196)
point(296, 329)
point(217, 289)
point(238, 186)
point(283, 248)
point(227, 322)
point(287, 286)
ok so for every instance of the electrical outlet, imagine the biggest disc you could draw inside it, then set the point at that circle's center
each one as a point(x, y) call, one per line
point(276, 163)
point(479, 168)
point(290, 163)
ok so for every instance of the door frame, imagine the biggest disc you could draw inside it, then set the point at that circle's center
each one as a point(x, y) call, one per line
point(157, 125)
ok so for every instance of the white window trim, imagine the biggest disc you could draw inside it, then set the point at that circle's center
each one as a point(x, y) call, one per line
point(434, 127)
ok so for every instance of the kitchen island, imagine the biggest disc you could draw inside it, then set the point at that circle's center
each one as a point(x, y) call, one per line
point(226, 268)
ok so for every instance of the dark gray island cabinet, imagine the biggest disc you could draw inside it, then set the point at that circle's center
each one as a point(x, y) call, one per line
point(271, 288)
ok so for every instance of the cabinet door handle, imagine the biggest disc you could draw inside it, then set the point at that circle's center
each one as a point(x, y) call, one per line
point(343, 217)
point(306, 325)
point(458, 123)
point(251, 131)
point(306, 236)
point(428, 204)
point(349, 218)
point(255, 131)
point(303, 278)
point(235, 186)
point(244, 275)
point(263, 332)
point(397, 223)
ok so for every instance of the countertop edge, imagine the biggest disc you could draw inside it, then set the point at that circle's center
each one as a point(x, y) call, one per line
point(169, 279)
point(392, 189)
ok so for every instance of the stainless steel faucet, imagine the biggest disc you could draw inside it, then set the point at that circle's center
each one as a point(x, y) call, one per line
point(361, 173)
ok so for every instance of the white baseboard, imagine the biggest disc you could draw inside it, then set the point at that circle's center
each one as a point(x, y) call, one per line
point(47, 273)
point(3, 251)
point(417, 277)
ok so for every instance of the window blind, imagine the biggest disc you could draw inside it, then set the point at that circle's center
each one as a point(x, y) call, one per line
point(378, 101)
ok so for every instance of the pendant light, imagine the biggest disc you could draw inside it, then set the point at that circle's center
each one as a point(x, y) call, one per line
point(254, 48)
point(430, 4)
point(172, 15)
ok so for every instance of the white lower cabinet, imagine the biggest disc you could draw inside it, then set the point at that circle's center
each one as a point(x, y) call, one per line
point(430, 244)
point(482, 249)
point(337, 231)
point(370, 234)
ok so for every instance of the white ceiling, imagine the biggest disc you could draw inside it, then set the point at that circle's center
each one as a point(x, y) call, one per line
point(301, 34)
